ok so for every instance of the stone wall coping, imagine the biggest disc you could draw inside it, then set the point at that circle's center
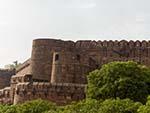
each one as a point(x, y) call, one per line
point(7, 88)
point(50, 84)
point(14, 76)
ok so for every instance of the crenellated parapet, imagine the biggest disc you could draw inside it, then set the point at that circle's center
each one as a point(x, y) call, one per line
point(88, 43)
point(21, 78)
point(5, 96)
point(96, 44)
point(59, 93)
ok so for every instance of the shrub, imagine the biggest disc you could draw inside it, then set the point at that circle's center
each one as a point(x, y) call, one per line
point(84, 106)
point(107, 106)
point(119, 106)
point(8, 109)
point(36, 106)
point(145, 108)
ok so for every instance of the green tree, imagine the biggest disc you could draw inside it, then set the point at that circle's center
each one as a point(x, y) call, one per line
point(120, 79)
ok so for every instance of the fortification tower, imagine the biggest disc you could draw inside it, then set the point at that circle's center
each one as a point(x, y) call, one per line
point(48, 54)
point(64, 62)
point(41, 59)
point(69, 67)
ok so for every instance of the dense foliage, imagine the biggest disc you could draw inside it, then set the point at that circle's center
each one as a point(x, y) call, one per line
point(120, 79)
point(119, 106)
point(85, 106)
point(145, 108)
point(36, 106)
point(107, 106)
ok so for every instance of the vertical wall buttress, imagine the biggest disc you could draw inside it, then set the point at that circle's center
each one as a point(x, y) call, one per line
point(56, 68)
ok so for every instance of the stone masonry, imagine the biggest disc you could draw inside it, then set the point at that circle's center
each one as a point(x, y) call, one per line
point(5, 76)
point(57, 69)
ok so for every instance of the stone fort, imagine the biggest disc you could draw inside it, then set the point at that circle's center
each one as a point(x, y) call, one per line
point(57, 69)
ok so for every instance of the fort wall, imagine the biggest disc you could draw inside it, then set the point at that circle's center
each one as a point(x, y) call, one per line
point(5, 96)
point(58, 66)
point(57, 69)
point(5, 76)
point(58, 93)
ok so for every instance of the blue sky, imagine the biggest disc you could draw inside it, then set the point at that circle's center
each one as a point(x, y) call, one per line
point(21, 21)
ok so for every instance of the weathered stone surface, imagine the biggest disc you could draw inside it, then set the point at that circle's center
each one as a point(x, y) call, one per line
point(5, 76)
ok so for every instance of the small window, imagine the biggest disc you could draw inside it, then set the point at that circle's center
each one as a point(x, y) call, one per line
point(56, 57)
point(78, 57)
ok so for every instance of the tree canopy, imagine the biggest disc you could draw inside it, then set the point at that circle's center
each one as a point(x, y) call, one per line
point(120, 79)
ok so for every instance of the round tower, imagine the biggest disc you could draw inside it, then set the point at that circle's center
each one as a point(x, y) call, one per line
point(41, 59)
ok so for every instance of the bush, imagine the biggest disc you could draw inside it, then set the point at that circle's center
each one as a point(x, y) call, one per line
point(120, 79)
point(8, 109)
point(119, 106)
point(85, 106)
point(107, 106)
point(145, 108)
point(36, 106)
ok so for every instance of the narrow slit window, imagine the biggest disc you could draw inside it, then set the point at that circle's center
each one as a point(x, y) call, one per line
point(56, 57)
point(78, 57)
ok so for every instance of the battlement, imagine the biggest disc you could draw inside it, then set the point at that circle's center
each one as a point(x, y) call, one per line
point(90, 43)
point(21, 78)
point(59, 93)
point(98, 44)
point(5, 96)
